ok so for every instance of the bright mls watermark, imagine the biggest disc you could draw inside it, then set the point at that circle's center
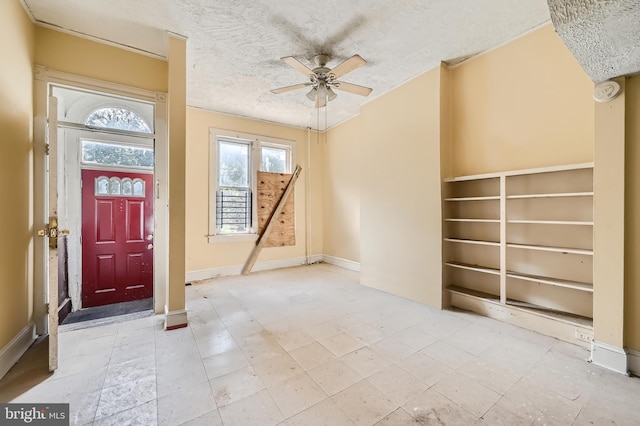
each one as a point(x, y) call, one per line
point(34, 414)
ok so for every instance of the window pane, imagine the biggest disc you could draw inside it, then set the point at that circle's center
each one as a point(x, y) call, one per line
point(116, 155)
point(274, 160)
point(117, 118)
point(233, 164)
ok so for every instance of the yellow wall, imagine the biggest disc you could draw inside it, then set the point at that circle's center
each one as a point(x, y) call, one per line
point(341, 197)
point(75, 55)
point(177, 168)
point(401, 228)
point(201, 254)
point(526, 104)
point(632, 215)
point(17, 47)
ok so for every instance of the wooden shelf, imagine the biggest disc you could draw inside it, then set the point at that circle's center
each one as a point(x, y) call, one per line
point(552, 222)
point(552, 281)
point(574, 320)
point(487, 198)
point(552, 249)
point(473, 220)
point(544, 236)
point(476, 268)
point(550, 195)
point(479, 242)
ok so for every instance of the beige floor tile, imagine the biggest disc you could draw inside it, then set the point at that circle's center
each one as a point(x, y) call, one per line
point(185, 404)
point(424, 368)
point(82, 406)
point(334, 376)
point(441, 326)
point(399, 418)
point(141, 415)
point(293, 339)
point(296, 394)
point(366, 361)
point(171, 378)
point(432, 408)
point(134, 336)
point(128, 371)
point(474, 338)
point(398, 385)
point(363, 403)
point(415, 338)
point(126, 395)
point(323, 330)
point(341, 344)
point(325, 413)
point(449, 355)
point(541, 405)
point(460, 354)
point(132, 351)
point(211, 418)
point(392, 349)
point(499, 416)
point(224, 363)
point(493, 376)
point(311, 356)
point(258, 409)
point(367, 334)
point(275, 370)
point(235, 386)
point(216, 344)
point(470, 395)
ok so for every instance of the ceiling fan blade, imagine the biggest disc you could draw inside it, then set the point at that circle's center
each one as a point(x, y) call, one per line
point(297, 65)
point(352, 88)
point(347, 66)
point(289, 88)
point(321, 101)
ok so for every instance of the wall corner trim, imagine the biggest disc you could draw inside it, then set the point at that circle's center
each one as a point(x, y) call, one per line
point(633, 361)
point(12, 352)
point(175, 319)
point(610, 357)
point(343, 263)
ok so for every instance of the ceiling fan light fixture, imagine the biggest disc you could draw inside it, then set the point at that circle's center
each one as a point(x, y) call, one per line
point(331, 95)
point(312, 94)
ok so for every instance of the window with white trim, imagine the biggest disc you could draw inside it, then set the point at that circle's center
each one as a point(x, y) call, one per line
point(235, 160)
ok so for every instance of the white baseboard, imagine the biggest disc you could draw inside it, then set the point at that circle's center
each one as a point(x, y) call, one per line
point(224, 271)
point(11, 353)
point(343, 263)
point(633, 361)
point(175, 319)
point(610, 357)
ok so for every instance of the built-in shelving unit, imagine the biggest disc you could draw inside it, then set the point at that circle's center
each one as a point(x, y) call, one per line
point(518, 246)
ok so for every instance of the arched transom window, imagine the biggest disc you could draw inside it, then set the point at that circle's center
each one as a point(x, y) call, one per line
point(118, 118)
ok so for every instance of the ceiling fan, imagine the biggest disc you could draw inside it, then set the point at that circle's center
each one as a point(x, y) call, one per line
point(323, 80)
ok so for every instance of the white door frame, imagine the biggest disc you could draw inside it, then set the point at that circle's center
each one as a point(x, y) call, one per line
point(44, 77)
point(70, 192)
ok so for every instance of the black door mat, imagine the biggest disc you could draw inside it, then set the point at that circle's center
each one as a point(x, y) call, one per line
point(107, 311)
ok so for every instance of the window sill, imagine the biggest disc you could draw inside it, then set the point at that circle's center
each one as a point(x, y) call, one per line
point(237, 238)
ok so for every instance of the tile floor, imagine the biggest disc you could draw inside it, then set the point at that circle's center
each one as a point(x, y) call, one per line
point(309, 346)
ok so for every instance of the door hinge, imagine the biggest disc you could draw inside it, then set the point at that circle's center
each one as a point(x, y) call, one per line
point(47, 307)
point(46, 149)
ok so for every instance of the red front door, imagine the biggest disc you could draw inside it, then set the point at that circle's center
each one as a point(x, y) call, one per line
point(117, 237)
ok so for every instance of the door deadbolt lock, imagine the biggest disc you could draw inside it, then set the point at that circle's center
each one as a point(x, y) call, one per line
point(51, 230)
point(149, 246)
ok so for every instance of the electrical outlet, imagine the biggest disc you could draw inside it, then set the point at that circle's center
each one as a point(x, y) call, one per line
point(584, 336)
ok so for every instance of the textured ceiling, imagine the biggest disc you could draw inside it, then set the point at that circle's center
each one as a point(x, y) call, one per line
point(603, 35)
point(234, 47)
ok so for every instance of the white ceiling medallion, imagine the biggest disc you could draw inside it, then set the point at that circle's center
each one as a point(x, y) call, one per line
point(606, 91)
